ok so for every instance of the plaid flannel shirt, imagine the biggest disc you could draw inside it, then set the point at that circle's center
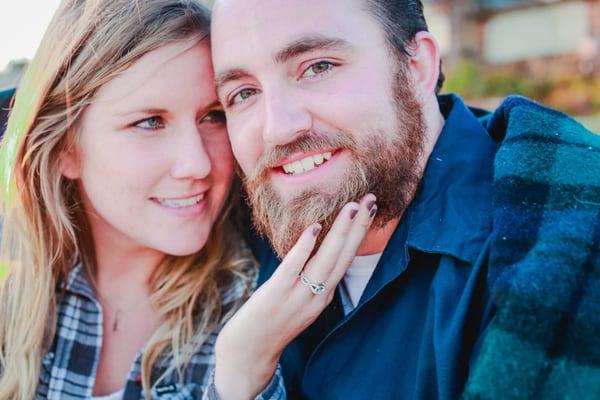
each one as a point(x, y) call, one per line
point(68, 370)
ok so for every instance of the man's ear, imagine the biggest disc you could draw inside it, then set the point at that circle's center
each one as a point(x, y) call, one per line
point(69, 165)
point(424, 63)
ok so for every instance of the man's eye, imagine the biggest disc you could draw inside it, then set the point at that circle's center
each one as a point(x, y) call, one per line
point(214, 117)
point(152, 123)
point(318, 68)
point(242, 96)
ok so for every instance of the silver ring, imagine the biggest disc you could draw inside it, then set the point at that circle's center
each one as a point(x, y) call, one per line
point(316, 288)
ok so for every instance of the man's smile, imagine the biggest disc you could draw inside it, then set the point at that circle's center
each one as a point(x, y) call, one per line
point(320, 169)
point(306, 164)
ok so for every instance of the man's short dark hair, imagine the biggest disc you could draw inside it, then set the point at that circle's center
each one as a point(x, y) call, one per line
point(401, 21)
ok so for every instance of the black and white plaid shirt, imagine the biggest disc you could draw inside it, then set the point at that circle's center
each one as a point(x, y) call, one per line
point(69, 369)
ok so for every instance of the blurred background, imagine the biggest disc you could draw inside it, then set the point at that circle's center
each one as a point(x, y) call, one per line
point(548, 50)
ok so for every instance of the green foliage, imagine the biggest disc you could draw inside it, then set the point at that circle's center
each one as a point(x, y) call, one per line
point(506, 82)
point(574, 93)
point(465, 79)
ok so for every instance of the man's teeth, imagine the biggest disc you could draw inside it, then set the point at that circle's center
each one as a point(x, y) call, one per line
point(178, 203)
point(306, 164)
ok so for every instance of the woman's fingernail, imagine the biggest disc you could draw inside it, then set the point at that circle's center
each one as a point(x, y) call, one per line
point(353, 213)
point(371, 204)
point(373, 212)
point(316, 230)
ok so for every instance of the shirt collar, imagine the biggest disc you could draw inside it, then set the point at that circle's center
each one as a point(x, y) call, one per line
point(452, 212)
point(77, 283)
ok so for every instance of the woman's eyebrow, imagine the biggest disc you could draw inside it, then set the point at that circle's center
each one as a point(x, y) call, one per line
point(143, 111)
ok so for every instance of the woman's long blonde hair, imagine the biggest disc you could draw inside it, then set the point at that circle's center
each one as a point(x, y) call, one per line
point(45, 233)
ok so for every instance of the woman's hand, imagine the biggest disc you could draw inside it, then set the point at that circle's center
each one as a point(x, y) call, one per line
point(249, 346)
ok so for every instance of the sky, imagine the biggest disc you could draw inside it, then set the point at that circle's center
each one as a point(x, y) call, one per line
point(22, 26)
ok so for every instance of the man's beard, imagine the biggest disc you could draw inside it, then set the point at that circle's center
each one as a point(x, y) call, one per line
point(383, 163)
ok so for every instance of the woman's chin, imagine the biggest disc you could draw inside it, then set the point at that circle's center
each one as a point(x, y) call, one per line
point(183, 248)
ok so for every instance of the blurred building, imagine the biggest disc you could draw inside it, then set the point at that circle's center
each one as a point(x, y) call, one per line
point(12, 74)
point(541, 36)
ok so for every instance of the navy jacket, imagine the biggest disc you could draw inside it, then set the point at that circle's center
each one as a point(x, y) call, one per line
point(418, 325)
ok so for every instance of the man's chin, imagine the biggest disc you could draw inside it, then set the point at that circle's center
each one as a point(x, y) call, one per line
point(289, 189)
point(282, 215)
point(291, 196)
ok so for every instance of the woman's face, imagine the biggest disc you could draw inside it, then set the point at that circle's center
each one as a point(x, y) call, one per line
point(153, 159)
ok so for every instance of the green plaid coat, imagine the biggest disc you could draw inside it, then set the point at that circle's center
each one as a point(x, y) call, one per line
point(544, 341)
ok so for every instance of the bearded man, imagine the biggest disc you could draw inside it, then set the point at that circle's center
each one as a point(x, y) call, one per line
point(328, 100)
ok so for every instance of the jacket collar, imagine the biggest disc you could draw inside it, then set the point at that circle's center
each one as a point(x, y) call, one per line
point(451, 213)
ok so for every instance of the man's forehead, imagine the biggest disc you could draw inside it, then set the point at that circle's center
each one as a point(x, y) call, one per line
point(271, 10)
point(265, 26)
point(266, 21)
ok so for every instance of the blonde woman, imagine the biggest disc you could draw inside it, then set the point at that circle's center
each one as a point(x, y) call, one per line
point(119, 168)
point(123, 258)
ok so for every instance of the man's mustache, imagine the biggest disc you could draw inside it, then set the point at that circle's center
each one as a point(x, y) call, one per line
point(307, 142)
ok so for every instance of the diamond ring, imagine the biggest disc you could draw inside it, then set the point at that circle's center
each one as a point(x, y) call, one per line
point(316, 288)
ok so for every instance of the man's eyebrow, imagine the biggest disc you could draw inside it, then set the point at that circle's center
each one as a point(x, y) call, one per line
point(229, 75)
point(310, 43)
point(297, 47)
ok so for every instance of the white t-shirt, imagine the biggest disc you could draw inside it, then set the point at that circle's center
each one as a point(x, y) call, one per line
point(356, 279)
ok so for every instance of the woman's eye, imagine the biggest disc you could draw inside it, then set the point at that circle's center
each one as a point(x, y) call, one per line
point(152, 123)
point(242, 96)
point(214, 117)
point(318, 68)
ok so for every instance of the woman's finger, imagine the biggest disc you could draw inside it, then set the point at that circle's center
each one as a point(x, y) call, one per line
point(319, 267)
point(357, 233)
point(297, 257)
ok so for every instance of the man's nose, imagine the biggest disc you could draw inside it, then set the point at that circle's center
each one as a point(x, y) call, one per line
point(285, 117)
point(190, 157)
